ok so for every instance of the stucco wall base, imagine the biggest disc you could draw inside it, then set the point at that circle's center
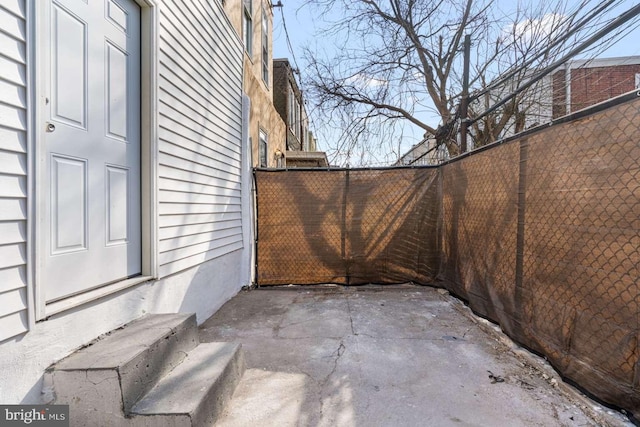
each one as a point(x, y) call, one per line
point(201, 290)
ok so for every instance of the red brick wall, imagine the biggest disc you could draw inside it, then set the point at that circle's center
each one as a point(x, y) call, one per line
point(590, 86)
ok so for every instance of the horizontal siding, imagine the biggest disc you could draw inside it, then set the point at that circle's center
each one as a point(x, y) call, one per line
point(13, 169)
point(12, 71)
point(12, 23)
point(187, 152)
point(12, 209)
point(16, 298)
point(12, 117)
point(173, 130)
point(196, 198)
point(218, 124)
point(205, 238)
point(170, 173)
point(13, 255)
point(168, 233)
point(12, 47)
point(193, 250)
point(13, 163)
point(13, 278)
point(13, 232)
point(173, 76)
point(12, 94)
point(193, 187)
point(181, 264)
point(16, 7)
point(168, 160)
point(13, 324)
point(197, 34)
point(167, 221)
point(203, 209)
point(200, 131)
point(13, 140)
point(13, 185)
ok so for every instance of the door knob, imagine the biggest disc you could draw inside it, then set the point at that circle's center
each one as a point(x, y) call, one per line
point(51, 127)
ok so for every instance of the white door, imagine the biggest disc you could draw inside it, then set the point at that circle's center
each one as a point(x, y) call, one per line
point(92, 140)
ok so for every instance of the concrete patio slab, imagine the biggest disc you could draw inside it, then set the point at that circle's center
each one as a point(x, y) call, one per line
point(385, 356)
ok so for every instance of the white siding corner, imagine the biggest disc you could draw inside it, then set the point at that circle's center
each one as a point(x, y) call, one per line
point(200, 135)
point(13, 169)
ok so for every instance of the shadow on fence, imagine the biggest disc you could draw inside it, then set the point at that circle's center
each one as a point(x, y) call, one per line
point(540, 234)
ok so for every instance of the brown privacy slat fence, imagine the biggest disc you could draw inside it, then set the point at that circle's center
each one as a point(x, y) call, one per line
point(540, 234)
point(347, 226)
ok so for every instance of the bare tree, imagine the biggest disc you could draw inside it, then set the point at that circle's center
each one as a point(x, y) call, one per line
point(400, 61)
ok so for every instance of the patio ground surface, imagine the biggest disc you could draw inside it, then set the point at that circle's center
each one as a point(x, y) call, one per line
point(385, 356)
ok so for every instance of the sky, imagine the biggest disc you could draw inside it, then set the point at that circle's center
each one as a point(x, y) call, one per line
point(301, 26)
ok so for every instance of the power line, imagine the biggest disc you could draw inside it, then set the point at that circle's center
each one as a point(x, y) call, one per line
point(575, 28)
point(280, 6)
point(296, 69)
point(613, 25)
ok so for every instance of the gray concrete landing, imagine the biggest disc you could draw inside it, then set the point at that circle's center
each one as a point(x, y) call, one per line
point(384, 356)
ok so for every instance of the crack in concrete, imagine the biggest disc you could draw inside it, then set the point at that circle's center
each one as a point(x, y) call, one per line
point(353, 332)
point(86, 375)
point(337, 354)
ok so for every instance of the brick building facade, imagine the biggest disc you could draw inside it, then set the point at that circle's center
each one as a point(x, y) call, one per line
point(581, 83)
point(288, 101)
point(253, 21)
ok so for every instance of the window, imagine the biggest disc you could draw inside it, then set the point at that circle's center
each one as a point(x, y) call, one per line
point(247, 24)
point(263, 149)
point(291, 109)
point(305, 136)
point(296, 119)
point(265, 47)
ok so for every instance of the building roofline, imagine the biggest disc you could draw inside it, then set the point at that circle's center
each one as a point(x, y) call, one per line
point(604, 62)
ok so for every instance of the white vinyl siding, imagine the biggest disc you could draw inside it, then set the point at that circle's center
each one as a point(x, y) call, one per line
point(13, 169)
point(200, 131)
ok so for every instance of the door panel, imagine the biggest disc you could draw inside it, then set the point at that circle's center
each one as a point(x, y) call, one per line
point(92, 146)
point(116, 107)
point(68, 204)
point(117, 206)
point(69, 64)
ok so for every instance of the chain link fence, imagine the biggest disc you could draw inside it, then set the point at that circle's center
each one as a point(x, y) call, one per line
point(540, 233)
point(347, 226)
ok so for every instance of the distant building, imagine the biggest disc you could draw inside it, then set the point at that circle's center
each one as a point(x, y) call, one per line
point(288, 100)
point(576, 85)
point(424, 153)
point(583, 83)
point(252, 20)
point(307, 159)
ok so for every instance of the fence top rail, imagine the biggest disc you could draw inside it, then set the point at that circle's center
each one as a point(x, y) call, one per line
point(343, 169)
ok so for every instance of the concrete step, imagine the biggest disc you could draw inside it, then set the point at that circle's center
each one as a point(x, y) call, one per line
point(114, 372)
point(195, 392)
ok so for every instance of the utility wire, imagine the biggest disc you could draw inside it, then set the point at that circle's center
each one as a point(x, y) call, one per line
point(286, 35)
point(613, 25)
point(509, 75)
